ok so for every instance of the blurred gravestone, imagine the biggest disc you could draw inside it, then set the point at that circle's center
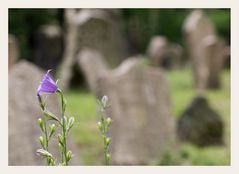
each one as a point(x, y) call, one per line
point(164, 54)
point(13, 51)
point(49, 47)
point(24, 112)
point(93, 66)
point(199, 124)
point(143, 127)
point(99, 29)
point(206, 51)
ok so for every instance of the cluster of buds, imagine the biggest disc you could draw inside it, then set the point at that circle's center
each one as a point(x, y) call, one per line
point(103, 126)
point(49, 86)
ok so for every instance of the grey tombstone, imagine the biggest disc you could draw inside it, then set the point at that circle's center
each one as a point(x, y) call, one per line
point(158, 50)
point(24, 112)
point(199, 124)
point(96, 29)
point(143, 127)
point(205, 50)
point(48, 46)
point(164, 54)
point(93, 66)
point(13, 50)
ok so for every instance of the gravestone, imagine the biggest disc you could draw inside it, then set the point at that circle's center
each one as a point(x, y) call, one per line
point(96, 29)
point(13, 51)
point(143, 127)
point(205, 50)
point(199, 124)
point(48, 47)
point(164, 54)
point(93, 66)
point(24, 112)
point(158, 50)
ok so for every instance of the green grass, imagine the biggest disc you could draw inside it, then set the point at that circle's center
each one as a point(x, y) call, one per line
point(82, 104)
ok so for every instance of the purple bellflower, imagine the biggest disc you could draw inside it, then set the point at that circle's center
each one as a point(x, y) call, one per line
point(48, 85)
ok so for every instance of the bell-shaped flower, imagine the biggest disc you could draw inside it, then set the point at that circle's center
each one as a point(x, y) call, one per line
point(48, 85)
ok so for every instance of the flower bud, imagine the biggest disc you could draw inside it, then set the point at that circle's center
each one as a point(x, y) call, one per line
point(70, 123)
point(52, 129)
point(60, 147)
point(108, 156)
point(60, 139)
point(100, 126)
point(44, 153)
point(107, 141)
point(40, 122)
point(41, 140)
point(68, 155)
point(50, 115)
point(104, 101)
point(108, 121)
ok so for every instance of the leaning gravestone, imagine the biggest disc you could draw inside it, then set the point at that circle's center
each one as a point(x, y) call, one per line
point(48, 46)
point(199, 124)
point(206, 51)
point(24, 112)
point(13, 51)
point(140, 108)
point(93, 66)
point(96, 29)
point(164, 54)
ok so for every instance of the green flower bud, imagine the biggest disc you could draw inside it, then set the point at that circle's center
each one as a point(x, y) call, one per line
point(68, 155)
point(60, 147)
point(64, 122)
point(41, 140)
point(100, 126)
point(40, 123)
point(70, 123)
point(104, 101)
point(52, 129)
point(108, 156)
point(60, 139)
point(50, 115)
point(44, 153)
point(108, 121)
point(107, 141)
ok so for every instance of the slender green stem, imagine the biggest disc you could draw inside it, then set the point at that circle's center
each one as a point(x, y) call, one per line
point(43, 107)
point(64, 139)
point(63, 106)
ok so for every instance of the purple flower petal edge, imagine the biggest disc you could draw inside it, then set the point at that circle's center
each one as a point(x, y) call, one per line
point(47, 85)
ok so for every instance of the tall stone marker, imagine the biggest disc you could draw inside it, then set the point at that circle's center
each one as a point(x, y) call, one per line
point(95, 29)
point(205, 49)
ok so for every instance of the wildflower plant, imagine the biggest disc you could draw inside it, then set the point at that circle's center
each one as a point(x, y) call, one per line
point(103, 126)
point(49, 86)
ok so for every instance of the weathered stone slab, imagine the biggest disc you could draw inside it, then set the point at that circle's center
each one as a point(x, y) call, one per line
point(96, 29)
point(164, 54)
point(205, 50)
point(93, 66)
point(199, 124)
point(24, 112)
point(143, 127)
point(158, 50)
